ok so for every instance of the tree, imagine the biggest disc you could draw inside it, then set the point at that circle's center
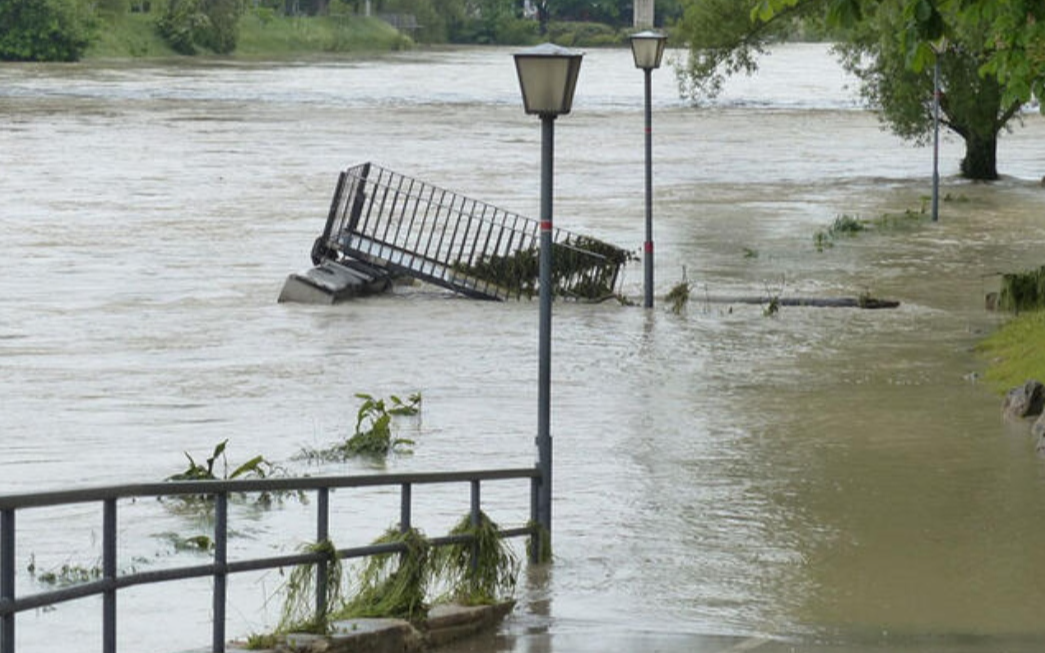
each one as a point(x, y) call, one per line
point(44, 30)
point(991, 55)
point(191, 24)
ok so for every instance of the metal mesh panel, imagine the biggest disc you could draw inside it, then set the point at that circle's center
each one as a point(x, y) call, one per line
point(411, 227)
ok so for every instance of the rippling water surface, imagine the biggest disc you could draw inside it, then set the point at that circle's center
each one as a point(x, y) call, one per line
point(821, 472)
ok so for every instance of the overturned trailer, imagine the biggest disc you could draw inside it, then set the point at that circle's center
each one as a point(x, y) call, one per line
point(383, 224)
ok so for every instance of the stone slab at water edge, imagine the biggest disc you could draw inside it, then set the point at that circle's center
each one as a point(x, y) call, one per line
point(446, 623)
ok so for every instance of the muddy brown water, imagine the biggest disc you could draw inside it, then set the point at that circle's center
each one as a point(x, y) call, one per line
point(822, 473)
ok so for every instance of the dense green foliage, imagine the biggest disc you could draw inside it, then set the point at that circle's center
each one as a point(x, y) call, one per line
point(1016, 351)
point(991, 57)
point(44, 30)
point(189, 25)
point(67, 30)
point(1023, 291)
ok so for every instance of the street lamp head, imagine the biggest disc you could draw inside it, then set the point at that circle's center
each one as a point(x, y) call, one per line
point(547, 78)
point(648, 48)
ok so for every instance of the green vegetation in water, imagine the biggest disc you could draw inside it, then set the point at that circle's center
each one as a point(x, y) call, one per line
point(678, 297)
point(1015, 353)
point(257, 467)
point(772, 307)
point(66, 575)
point(847, 226)
point(1022, 291)
point(582, 268)
point(195, 543)
point(373, 435)
point(542, 540)
point(299, 615)
point(481, 572)
point(394, 584)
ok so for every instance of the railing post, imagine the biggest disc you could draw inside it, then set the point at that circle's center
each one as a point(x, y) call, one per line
point(7, 578)
point(535, 501)
point(322, 535)
point(109, 574)
point(475, 514)
point(404, 508)
point(221, 540)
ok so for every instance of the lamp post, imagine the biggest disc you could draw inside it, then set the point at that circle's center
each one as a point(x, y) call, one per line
point(547, 78)
point(648, 49)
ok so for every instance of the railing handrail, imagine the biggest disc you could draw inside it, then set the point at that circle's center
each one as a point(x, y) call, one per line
point(112, 580)
point(177, 488)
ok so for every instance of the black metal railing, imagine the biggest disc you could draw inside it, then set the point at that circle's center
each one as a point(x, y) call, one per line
point(411, 227)
point(111, 581)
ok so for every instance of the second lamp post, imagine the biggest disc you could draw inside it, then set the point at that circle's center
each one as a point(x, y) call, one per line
point(648, 49)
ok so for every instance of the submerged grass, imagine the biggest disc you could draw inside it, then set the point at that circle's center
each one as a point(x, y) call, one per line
point(1016, 352)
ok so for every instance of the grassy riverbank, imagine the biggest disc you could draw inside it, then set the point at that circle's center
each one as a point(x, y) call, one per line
point(1015, 353)
point(134, 35)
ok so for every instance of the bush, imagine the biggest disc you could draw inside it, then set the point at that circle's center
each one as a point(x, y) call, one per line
point(189, 25)
point(44, 30)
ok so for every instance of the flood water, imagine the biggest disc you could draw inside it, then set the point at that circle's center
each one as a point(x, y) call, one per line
point(817, 474)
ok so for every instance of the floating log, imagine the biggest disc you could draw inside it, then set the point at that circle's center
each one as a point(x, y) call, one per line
point(828, 302)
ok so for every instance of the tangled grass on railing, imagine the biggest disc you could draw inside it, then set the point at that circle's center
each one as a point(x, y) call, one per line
point(480, 572)
point(394, 584)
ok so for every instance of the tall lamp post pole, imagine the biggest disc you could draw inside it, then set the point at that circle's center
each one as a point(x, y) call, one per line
point(648, 49)
point(547, 77)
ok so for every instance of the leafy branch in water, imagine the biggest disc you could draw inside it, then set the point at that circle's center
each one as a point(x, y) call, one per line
point(373, 432)
point(482, 571)
point(257, 467)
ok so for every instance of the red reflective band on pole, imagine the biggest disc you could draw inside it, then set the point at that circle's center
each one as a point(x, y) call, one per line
point(649, 247)
point(546, 225)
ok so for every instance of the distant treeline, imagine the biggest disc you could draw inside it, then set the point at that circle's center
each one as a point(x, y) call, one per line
point(64, 30)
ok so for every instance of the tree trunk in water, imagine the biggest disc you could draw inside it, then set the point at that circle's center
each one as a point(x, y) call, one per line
point(981, 157)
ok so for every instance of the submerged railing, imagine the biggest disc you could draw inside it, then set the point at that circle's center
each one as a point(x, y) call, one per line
point(410, 227)
point(111, 581)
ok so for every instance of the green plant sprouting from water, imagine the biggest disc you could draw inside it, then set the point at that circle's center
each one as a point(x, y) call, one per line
point(373, 434)
point(257, 467)
point(772, 306)
point(66, 575)
point(394, 584)
point(299, 608)
point(678, 296)
point(482, 571)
